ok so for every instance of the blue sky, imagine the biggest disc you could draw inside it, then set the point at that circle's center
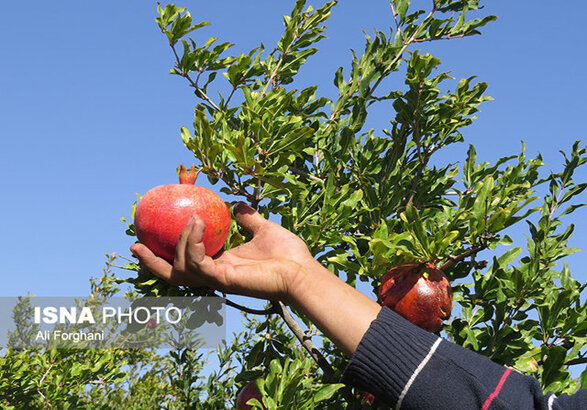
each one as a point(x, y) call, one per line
point(90, 116)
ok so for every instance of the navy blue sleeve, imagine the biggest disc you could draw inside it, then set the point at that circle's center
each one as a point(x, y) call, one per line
point(409, 368)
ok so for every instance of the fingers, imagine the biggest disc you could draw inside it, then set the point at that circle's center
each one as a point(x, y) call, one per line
point(248, 218)
point(179, 259)
point(160, 267)
point(191, 266)
point(194, 249)
point(190, 257)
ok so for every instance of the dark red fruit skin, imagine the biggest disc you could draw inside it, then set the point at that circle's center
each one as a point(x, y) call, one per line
point(164, 211)
point(247, 393)
point(424, 301)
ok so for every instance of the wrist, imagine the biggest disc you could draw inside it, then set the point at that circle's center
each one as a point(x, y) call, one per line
point(300, 278)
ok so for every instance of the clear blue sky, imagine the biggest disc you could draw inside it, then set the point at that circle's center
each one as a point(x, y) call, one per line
point(90, 116)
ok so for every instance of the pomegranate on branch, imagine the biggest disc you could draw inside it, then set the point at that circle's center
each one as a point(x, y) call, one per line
point(419, 292)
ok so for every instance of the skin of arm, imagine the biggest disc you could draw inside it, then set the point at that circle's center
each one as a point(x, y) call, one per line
point(274, 265)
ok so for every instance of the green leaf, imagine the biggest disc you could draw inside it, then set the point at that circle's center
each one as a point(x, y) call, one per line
point(291, 140)
point(482, 203)
point(327, 391)
point(583, 379)
point(552, 372)
point(506, 240)
point(353, 199)
point(402, 7)
point(469, 167)
point(414, 225)
point(381, 232)
point(508, 257)
point(186, 136)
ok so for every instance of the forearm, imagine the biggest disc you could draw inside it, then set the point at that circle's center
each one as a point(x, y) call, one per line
point(340, 311)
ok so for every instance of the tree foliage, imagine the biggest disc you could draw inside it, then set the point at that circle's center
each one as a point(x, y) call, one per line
point(367, 199)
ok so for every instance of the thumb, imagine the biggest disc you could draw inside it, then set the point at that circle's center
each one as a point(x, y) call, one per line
point(248, 218)
point(153, 263)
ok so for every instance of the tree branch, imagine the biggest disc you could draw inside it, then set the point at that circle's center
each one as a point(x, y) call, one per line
point(581, 360)
point(305, 340)
point(386, 72)
point(237, 190)
point(452, 259)
point(201, 92)
point(193, 83)
point(307, 175)
point(447, 37)
point(417, 137)
point(292, 324)
point(280, 62)
point(406, 44)
point(269, 311)
point(274, 73)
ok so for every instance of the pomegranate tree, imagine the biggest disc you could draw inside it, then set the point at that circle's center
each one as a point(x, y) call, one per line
point(419, 292)
point(164, 211)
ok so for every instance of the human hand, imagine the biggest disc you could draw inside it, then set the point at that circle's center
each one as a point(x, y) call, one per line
point(274, 265)
point(264, 267)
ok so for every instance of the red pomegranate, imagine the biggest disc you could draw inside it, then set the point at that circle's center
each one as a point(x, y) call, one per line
point(247, 393)
point(164, 211)
point(419, 292)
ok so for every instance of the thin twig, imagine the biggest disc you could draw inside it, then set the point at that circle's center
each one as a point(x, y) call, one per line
point(399, 54)
point(234, 88)
point(417, 136)
point(557, 201)
point(269, 311)
point(386, 71)
point(394, 15)
point(576, 361)
point(193, 83)
point(447, 37)
point(458, 258)
point(43, 379)
point(306, 174)
point(47, 372)
point(280, 62)
point(199, 90)
point(274, 73)
point(235, 189)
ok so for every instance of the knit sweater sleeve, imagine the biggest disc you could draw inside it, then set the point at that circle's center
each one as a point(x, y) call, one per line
point(409, 368)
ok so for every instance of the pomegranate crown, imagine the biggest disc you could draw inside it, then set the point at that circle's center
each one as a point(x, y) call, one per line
point(188, 176)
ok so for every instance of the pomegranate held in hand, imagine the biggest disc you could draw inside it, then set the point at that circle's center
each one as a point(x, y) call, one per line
point(247, 393)
point(419, 292)
point(164, 211)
